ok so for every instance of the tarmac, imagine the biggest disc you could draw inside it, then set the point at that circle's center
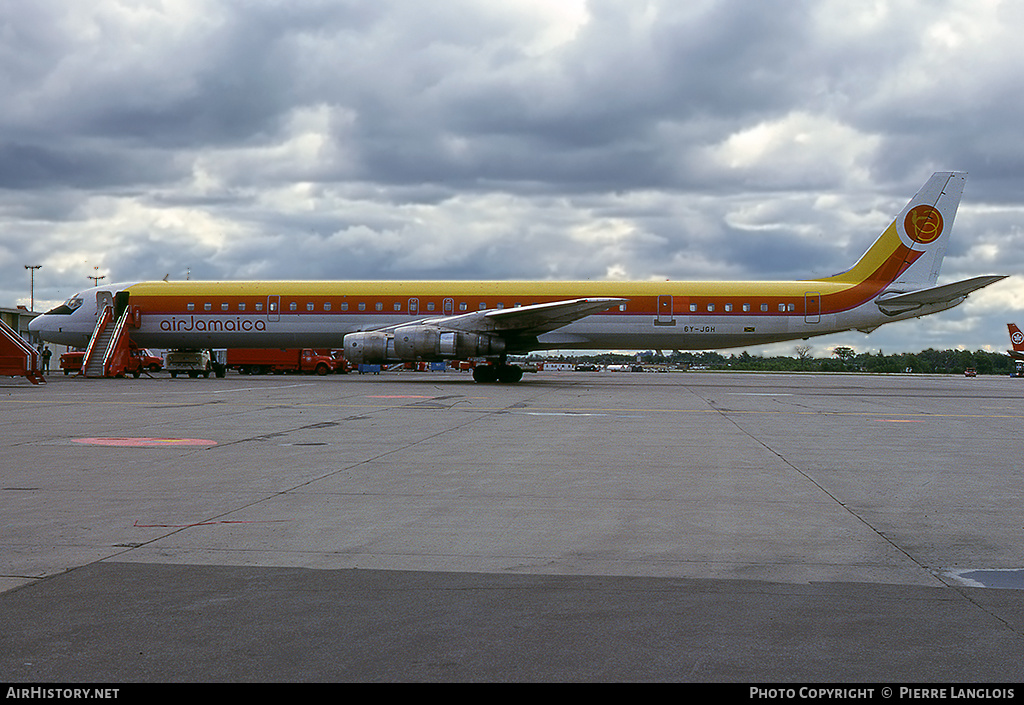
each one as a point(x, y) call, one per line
point(573, 527)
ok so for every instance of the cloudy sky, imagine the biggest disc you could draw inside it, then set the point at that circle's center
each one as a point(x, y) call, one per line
point(527, 139)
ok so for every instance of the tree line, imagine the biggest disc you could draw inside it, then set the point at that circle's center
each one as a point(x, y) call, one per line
point(842, 359)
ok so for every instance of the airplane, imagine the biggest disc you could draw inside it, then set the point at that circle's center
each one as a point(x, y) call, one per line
point(1017, 341)
point(393, 321)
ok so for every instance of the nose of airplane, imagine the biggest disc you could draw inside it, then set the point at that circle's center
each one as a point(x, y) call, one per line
point(42, 326)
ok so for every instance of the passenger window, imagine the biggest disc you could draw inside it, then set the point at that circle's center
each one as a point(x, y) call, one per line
point(362, 305)
point(224, 306)
point(191, 306)
point(728, 307)
point(259, 306)
point(746, 307)
point(310, 306)
point(430, 305)
point(782, 308)
point(693, 308)
point(207, 306)
point(463, 306)
point(379, 306)
point(764, 307)
point(344, 305)
point(327, 305)
point(398, 307)
point(711, 307)
point(241, 306)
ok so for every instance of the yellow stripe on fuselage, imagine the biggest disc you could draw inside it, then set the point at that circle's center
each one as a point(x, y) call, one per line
point(523, 289)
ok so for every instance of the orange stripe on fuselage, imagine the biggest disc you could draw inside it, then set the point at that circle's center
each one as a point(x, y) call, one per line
point(837, 294)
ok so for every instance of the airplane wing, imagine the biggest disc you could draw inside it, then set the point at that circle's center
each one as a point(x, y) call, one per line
point(901, 303)
point(526, 320)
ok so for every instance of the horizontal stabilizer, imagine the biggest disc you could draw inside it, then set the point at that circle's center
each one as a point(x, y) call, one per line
point(947, 293)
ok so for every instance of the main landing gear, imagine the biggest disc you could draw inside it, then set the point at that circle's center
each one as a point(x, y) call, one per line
point(501, 372)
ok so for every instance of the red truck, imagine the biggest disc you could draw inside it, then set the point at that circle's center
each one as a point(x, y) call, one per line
point(141, 360)
point(259, 361)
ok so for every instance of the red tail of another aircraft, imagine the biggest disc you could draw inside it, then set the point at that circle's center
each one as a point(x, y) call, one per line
point(1017, 341)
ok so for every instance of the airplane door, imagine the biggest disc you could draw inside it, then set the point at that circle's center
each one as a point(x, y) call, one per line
point(104, 299)
point(666, 315)
point(414, 307)
point(120, 303)
point(449, 307)
point(812, 307)
point(274, 308)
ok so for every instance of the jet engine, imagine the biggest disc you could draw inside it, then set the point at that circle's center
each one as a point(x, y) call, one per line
point(419, 342)
point(371, 347)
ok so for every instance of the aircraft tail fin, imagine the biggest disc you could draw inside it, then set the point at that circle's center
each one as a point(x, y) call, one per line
point(1016, 337)
point(908, 254)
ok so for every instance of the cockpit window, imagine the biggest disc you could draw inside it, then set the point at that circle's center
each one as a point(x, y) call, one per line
point(66, 308)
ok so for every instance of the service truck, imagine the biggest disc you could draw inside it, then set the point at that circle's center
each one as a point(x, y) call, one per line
point(195, 362)
point(260, 361)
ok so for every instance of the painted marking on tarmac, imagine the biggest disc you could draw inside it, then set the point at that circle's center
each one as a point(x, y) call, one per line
point(760, 394)
point(397, 396)
point(1004, 578)
point(902, 420)
point(145, 442)
point(206, 523)
point(572, 413)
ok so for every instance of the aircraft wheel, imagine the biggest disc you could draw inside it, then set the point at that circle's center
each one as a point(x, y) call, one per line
point(510, 373)
point(485, 373)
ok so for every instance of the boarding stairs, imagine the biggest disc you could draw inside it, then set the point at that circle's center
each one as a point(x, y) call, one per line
point(18, 358)
point(108, 351)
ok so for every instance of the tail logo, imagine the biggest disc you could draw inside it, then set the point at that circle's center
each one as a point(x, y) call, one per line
point(923, 224)
point(1017, 337)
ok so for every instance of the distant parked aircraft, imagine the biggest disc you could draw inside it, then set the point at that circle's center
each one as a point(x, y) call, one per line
point(1017, 341)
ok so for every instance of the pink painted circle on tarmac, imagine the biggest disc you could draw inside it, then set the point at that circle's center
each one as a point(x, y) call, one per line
point(145, 442)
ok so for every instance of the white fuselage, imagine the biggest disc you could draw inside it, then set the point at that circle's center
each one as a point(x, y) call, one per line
point(679, 316)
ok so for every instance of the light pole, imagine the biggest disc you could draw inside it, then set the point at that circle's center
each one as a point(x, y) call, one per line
point(96, 279)
point(32, 287)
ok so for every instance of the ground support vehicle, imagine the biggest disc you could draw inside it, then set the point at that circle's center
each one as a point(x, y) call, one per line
point(195, 362)
point(71, 361)
point(142, 360)
point(139, 360)
point(260, 361)
point(17, 357)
